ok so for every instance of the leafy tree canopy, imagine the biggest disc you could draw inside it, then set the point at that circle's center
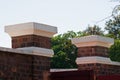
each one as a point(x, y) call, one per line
point(114, 51)
point(65, 52)
point(93, 30)
point(113, 27)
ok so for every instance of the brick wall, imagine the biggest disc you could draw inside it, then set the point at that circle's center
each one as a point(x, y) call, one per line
point(31, 40)
point(101, 69)
point(15, 66)
point(109, 77)
point(93, 51)
point(72, 75)
point(41, 65)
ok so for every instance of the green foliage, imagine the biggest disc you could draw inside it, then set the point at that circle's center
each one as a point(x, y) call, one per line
point(113, 27)
point(79, 34)
point(114, 51)
point(95, 30)
point(65, 52)
point(110, 35)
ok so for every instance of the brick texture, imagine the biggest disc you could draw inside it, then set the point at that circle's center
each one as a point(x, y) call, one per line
point(31, 40)
point(92, 51)
point(22, 67)
point(101, 69)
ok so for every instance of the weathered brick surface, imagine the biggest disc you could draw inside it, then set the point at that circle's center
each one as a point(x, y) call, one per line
point(15, 66)
point(93, 51)
point(41, 65)
point(31, 40)
point(101, 69)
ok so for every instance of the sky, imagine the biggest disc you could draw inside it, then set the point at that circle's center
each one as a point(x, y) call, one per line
point(66, 15)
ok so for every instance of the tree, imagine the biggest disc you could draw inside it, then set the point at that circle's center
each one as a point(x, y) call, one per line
point(80, 34)
point(116, 11)
point(65, 52)
point(114, 51)
point(113, 27)
point(95, 30)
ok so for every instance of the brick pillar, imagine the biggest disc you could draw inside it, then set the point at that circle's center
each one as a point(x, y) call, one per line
point(30, 34)
point(93, 55)
point(33, 39)
point(92, 45)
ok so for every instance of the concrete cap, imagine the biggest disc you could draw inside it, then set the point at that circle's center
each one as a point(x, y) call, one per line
point(30, 51)
point(95, 59)
point(30, 28)
point(93, 40)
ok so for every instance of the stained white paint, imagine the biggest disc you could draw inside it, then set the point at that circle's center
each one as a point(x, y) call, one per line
point(93, 40)
point(95, 59)
point(30, 51)
point(30, 28)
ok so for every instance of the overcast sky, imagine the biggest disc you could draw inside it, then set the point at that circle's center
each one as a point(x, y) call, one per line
point(65, 14)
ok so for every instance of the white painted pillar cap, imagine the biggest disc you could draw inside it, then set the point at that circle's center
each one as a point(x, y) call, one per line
point(93, 40)
point(30, 28)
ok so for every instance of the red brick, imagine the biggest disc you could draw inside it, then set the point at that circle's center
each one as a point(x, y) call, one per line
point(92, 51)
point(31, 40)
point(101, 69)
point(22, 67)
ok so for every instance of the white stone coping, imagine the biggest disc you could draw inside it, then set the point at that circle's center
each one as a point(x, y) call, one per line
point(93, 38)
point(62, 70)
point(96, 59)
point(30, 51)
point(30, 28)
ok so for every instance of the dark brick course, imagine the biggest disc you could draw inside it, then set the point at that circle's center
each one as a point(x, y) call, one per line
point(101, 69)
point(15, 66)
point(31, 40)
point(92, 51)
